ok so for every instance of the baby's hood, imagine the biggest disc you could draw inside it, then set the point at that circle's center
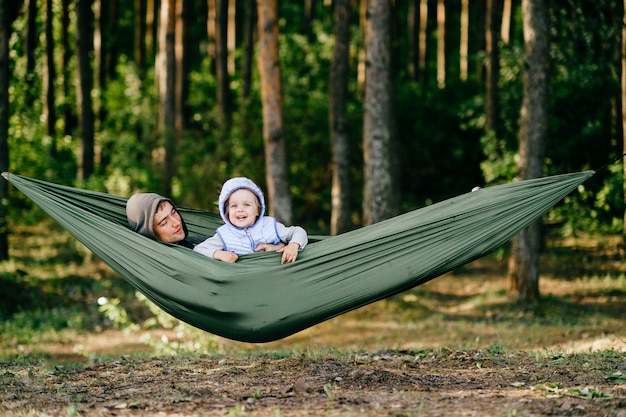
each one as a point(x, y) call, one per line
point(233, 185)
point(140, 211)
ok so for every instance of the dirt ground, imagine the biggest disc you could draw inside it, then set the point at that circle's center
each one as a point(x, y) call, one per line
point(394, 383)
point(393, 358)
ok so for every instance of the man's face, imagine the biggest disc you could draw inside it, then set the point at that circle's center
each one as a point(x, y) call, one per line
point(168, 225)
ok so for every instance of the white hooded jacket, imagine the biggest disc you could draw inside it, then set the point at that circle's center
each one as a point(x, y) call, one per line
point(242, 241)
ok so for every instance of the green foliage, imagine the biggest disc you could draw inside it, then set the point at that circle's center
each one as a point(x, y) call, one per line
point(441, 145)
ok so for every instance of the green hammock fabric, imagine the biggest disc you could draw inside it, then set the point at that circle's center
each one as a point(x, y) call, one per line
point(259, 300)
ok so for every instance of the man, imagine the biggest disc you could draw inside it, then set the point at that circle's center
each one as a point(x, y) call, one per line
point(156, 217)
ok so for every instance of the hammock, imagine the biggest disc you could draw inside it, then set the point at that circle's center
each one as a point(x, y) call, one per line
point(259, 300)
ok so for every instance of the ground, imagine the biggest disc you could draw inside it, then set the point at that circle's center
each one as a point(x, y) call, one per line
point(452, 347)
point(394, 383)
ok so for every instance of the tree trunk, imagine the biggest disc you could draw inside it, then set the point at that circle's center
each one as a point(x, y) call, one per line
point(340, 220)
point(231, 38)
point(464, 41)
point(84, 31)
point(221, 65)
point(423, 34)
point(623, 55)
point(524, 260)
point(152, 30)
point(140, 36)
point(441, 43)
point(309, 17)
point(69, 119)
point(5, 74)
point(166, 70)
point(49, 79)
point(32, 41)
point(413, 26)
point(378, 201)
point(493, 65)
point(273, 123)
point(505, 33)
point(248, 50)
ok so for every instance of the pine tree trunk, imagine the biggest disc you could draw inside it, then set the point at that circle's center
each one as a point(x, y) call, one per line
point(84, 32)
point(273, 122)
point(5, 34)
point(524, 260)
point(248, 50)
point(492, 35)
point(166, 70)
point(69, 118)
point(441, 43)
point(49, 80)
point(623, 53)
point(221, 65)
point(31, 45)
point(341, 211)
point(464, 41)
point(378, 201)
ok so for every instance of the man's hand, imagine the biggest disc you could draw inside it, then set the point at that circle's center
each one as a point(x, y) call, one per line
point(290, 253)
point(225, 256)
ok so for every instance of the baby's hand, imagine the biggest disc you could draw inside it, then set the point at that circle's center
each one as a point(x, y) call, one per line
point(290, 253)
point(225, 256)
point(269, 247)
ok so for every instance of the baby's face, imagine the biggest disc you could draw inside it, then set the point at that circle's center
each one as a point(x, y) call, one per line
point(243, 208)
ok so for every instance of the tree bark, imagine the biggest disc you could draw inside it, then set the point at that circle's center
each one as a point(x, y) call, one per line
point(84, 40)
point(340, 220)
point(166, 70)
point(441, 43)
point(464, 41)
point(5, 74)
point(413, 26)
point(273, 121)
point(32, 41)
point(221, 65)
point(524, 260)
point(378, 201)
point(140, 36)
point(623, 56)
point(423, 12)
point(248, 50)
point(69, 118)
point(49, 79)
point(493, 64)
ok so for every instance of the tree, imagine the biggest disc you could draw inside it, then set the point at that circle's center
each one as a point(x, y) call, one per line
point(248, 50)
point(32, 41)
point(464, 41)
point(524, 259)
point(166, 70)
point(623, 55)
point(221, 65)
point(69, 119)
point(84, 41)
point(273, 119)
point(49, 80)
point(441, 43)
point(378, 128)
point(493, 65)
point(5, 34)
point(340, 214)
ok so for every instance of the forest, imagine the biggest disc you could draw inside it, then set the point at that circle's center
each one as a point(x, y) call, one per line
point(346, 112)
point(438, 75)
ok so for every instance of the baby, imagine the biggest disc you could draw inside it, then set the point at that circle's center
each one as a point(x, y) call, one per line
point(247, 229)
